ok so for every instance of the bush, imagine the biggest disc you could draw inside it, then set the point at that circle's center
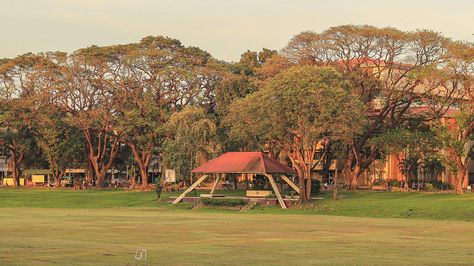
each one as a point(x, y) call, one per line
point(430, 187)
point(380, 182)
point(442, 186)
point(222, 202)
point(315, 187)
point(393, 183)
point(447, 186)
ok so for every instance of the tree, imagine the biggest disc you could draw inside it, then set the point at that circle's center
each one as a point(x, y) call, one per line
point(190, 132)
point(415, 143)
point(457, 134)
point(158, 76)
point(299, 110)
point(388, 70)
point(238, 80)
point(86, 93)
point(18, 80)
point(16, 141)
point(61, 143)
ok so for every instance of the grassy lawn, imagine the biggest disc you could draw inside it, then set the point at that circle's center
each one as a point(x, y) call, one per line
point(40, 227)
point(432, 206)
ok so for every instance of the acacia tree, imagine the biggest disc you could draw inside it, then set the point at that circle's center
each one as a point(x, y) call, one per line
point(16, 142)
point(388, 70)
point(18, 80)
point(61, 143)
point(457, 135)
point(86, 93)
point(157, 77)
point(299, 110)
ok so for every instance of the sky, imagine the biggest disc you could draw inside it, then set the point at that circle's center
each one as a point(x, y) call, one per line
point(224, 28)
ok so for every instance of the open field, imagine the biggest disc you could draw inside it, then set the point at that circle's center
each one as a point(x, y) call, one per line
point(40, 227)
point(432, 206)
point(37, 236)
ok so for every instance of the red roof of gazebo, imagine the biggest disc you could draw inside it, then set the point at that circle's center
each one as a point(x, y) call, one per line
point(244, 163)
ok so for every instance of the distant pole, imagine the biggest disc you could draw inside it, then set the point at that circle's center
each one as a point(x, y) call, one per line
point(334, 190)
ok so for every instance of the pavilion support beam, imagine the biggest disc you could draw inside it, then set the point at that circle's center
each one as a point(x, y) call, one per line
point(277, 192)
point(289, 182)
point(215, 183)
point(193, 186)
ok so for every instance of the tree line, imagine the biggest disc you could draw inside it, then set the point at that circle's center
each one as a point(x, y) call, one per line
point(350, 92)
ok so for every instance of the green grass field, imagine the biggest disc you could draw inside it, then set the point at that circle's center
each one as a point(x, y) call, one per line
point(42, 227)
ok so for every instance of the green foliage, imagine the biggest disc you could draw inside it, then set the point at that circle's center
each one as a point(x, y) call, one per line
point(429, 187)
point(191, 131)
point(218, 202)
point(315, 187)
point(314, 102)
point(393, 183)
point(439, 185)
point(380, 182)
point(159, 186)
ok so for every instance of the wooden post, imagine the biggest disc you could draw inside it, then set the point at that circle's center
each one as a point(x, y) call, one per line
point(277, 192)
point(215, 183)
point(193, 186)
point(289, 182)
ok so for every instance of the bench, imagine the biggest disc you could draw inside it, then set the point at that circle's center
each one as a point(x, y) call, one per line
point(258, 193)
point(211, 195)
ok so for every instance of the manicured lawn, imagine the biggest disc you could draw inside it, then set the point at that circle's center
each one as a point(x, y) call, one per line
point(42, 227)
point(37, 236)
point(432, 206)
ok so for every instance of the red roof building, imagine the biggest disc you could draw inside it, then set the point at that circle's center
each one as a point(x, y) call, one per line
point(244, 163)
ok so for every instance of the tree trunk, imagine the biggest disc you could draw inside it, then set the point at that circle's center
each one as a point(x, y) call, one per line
point(13, 166)
point(460, 178)
point(57, 181)
point(15, 162)
point(144, 177)
point(100, 163)
point(354, 175)
point(308, 185)
point(347, 172)
point(101, 178)
point(58, 175)
point(461, 170)
point(302, 186)
point(143, 162)
point(134, 180)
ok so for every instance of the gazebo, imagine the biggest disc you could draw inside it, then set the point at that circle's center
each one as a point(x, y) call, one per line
point(243, 163)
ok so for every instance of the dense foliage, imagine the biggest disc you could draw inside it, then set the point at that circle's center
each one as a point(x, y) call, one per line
point(352, 93)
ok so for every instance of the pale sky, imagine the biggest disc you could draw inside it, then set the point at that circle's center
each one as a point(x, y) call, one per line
point(225, 28)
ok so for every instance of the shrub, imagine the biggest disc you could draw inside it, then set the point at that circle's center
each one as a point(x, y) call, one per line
point(315, 187)
point(393, 183)
point(437, 184)
point(430, 187)
point(222, 202)
point(447, 186)
point(380, 182)
point(442, 186)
